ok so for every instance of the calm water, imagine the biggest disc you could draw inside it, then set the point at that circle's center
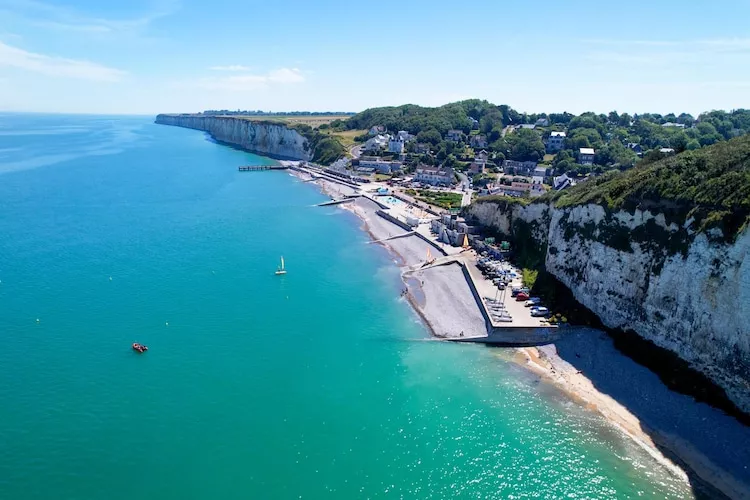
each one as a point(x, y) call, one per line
point(316, 384)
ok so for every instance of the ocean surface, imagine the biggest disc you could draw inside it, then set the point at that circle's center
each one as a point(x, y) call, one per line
point(319, 384)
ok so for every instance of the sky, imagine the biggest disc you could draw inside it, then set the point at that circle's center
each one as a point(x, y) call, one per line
point(151, 56)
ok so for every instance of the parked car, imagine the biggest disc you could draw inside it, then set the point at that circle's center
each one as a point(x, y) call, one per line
point(515, 291)
point(539, 311)
point(521, 296)
point(533, 301)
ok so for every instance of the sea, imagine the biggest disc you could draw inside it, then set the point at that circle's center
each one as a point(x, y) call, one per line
point(322, 383)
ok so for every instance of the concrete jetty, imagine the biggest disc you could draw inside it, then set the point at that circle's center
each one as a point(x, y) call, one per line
point(255, 168)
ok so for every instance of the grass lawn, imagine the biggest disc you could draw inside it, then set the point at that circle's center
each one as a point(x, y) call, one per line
point(548, 158)
point(440, 199)
point(346, 138)
point(382, 177)
point(313, 121)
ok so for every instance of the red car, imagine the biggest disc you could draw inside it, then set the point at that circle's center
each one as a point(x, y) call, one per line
point(521, 297)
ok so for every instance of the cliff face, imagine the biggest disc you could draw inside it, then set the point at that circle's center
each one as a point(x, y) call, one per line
point(686, 291)
point(266, 139)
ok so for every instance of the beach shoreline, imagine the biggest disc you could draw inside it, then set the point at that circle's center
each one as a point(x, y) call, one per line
point(444, 301)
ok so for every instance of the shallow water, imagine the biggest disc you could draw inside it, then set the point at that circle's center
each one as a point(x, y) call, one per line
point(318, 383)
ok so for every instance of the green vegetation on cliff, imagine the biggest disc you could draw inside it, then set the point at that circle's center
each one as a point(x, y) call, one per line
point(326, 148)
point(710, 185)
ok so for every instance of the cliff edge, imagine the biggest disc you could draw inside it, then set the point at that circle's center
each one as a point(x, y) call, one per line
point(660, 250)
point(265, 138)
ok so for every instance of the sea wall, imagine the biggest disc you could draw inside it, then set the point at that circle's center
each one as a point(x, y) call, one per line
point(686, 291)
point(264, 138)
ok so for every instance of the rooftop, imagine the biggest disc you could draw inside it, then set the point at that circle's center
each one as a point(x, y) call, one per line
point(587, 151)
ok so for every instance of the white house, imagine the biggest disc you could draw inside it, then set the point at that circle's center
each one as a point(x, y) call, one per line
point(562, 182)
point(405, 136)
point(555, 141)
point(478, 141)
point(376, 143)
point(586, 156)
point(377, 129)
point(383, 167)
point(396, 145)
point(435, 175)
point(454, 135)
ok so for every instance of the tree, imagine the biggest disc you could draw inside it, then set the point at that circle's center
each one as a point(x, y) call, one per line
point(692, 144)
point(525, 145)
point(431, 136)
point(679, 142)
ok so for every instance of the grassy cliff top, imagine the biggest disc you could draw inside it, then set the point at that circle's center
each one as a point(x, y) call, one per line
point(711, 185)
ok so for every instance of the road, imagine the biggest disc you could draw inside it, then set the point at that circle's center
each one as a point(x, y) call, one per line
point(355, 150)
point(463, 186)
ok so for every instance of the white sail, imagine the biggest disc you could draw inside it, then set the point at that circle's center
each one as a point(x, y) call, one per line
point(282, 263)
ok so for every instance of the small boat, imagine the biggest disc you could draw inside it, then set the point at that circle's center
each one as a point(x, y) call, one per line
point(139, 347)
point(281, 269)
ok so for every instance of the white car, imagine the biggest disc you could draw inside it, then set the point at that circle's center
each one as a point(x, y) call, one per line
point(533, 301)
point(539, 311)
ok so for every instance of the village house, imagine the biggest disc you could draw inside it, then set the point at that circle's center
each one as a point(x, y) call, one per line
point(555, 141)
point(404, 136)
point(537, 187)
point(666, 151)
point(529, 126)
point(454, 135)
point(586, 156)
point(478, 141)
point(341, 164)
point(636, 148)
point(542, 122)
point(422, 148)
point(396, 145)
point(436, 176)
point(519, 167)
point(479, 163)
point(542, 172)
point(377, 143)
point(674, 125)
point(380, 166)
point(516, 189)
point(452, 229)
point(562, 182)
point(377, 129)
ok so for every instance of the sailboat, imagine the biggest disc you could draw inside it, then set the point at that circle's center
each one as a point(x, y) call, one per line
point(430, 259)
point(281, 269)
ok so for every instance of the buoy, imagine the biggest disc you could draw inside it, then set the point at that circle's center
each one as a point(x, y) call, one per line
point(37, 320)
point(167, 323)
point(110, 278)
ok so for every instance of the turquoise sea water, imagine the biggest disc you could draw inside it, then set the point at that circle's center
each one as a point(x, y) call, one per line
point(318, 384)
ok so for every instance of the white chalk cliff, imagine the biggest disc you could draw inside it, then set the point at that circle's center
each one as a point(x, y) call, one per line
point(685, 291)
point(264, 138)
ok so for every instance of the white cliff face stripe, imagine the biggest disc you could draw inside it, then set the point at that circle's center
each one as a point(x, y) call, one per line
point(262, 138)
point(696, 304)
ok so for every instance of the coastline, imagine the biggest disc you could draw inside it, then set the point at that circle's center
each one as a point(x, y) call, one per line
point(444, 302)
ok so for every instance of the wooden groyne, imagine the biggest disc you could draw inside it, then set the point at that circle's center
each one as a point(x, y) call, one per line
point(255, 168)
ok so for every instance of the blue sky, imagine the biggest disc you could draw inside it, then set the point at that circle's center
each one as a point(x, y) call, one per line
point(149, 56)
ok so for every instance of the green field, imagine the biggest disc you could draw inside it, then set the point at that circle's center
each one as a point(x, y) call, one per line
point(440, 199)
point(313, 121)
